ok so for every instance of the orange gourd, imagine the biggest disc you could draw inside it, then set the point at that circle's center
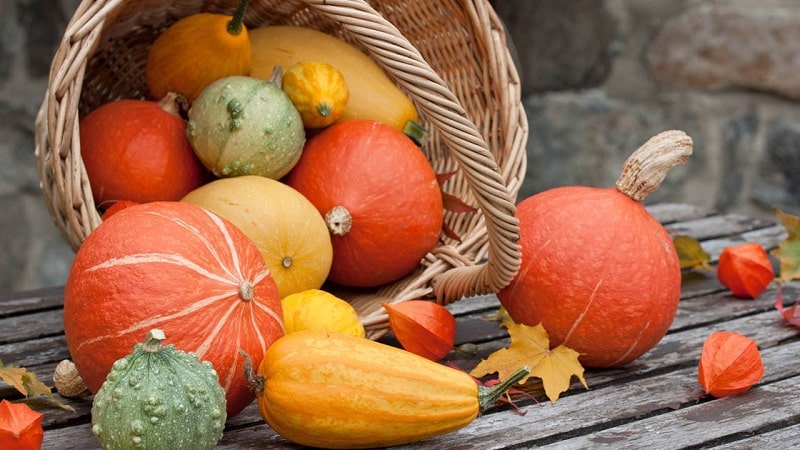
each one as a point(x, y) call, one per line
point(332, 390)
point(137, 150)
point(379, 196)
point(196, 50)
point(597, 270)
point(179, 268)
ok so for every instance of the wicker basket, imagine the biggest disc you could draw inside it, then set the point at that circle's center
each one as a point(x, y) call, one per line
point(449, 56)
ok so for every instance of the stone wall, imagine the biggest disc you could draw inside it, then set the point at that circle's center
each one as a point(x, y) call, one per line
point(599, 78)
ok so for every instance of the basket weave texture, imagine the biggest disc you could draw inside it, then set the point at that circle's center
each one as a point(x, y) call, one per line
point(449, 56)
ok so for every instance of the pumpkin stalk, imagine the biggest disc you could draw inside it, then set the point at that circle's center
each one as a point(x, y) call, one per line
point(235, 25)
point(487, 396)
point(152, 342)
point(338, 220)
point(246, 290)
point(646, 168)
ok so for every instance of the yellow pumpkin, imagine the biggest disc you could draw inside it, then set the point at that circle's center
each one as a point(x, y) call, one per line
point(197, 50)
point(315, 309)
point(318, 91)
point(373, 95)
point(288, 230)
point(332, 390)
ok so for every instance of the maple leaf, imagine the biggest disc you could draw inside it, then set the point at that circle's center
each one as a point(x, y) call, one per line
point(791, 314)
point(27, 384)
point(691, 254)
point(530, 345)
point(788, 251)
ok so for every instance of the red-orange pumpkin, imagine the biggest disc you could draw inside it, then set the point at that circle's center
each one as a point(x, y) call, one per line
point(180, 268)
point(379, 196)
point(597, 270)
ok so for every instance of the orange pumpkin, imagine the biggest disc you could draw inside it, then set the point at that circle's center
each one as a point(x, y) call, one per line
point(379, 196)
point(137, 150)
point(180, 268)
point(597, 270)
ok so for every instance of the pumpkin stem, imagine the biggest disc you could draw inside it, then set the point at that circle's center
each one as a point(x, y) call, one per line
point(415, 131)
point(338, 220)
point(487, 396)
point(235, 25)
point(255, 382)
point(645, 169)
point(173, 103)
point(246, 290)
point(152, 342)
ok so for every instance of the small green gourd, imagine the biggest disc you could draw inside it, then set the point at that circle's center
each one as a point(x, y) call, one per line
point(245, 126)
point(159, 397)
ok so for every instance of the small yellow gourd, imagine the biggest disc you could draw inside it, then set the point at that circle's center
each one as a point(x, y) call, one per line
point(331, 390)
point(197, 50)
point(315, 309)
point(373, 95)
point(318, 91)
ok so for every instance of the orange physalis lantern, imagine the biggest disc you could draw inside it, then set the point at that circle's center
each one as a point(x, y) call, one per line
point(422, 327)
point(730, 364)
point(745, 269)
point(20, 426)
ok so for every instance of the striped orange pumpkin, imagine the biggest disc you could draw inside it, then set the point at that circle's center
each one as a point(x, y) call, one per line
point(180, 268)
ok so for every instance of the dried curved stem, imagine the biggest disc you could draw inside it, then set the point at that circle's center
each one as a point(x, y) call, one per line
point(645, 169)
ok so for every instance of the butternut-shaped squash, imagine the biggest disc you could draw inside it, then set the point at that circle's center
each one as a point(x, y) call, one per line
point(373, 95)
point(332, 390)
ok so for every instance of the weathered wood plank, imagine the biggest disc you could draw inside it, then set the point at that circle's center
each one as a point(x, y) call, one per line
point(678, 212)
point(717, 226)
point(28, 301)
point(716, 420)
point(34, 325)
point(788, 437)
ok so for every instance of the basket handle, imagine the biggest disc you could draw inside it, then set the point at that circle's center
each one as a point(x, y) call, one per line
point(443, 110)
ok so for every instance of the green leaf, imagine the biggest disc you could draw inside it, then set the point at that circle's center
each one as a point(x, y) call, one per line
point(691, 254)
point(788, 251)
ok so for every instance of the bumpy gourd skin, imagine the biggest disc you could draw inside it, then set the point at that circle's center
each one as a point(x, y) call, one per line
point(244, 126)
point(159, 398)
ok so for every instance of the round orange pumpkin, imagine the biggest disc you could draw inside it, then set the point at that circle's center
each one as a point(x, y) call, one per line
point(597, 270)
point(180, 268)
point(137, 150)
point(379, 196)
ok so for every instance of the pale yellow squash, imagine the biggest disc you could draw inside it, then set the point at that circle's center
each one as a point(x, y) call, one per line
point(373, 95)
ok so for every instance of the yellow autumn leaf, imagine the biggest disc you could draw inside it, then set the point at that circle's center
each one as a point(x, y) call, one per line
point(27, 384)
point(788, 251)
point(691, 254)
point(530, 345)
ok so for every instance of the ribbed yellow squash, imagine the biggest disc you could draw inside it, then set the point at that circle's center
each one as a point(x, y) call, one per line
point(315, 309)
point(332, 390)
point(373, 95)
point(318, 91)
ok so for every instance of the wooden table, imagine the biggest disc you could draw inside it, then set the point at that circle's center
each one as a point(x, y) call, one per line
point(654, 402)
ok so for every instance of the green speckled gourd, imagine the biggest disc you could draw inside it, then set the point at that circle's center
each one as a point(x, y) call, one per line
point(242, 125)
point(159, 397)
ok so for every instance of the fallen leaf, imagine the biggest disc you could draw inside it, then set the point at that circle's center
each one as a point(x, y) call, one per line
point(27, 384)
point(791, 314)
point(788, 251)
point(530, 345)
point(691, 254)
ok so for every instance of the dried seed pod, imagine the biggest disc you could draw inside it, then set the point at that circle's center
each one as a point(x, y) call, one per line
point(423, 327)
point(730, 364)
point(68, 381)
point(745, 269)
